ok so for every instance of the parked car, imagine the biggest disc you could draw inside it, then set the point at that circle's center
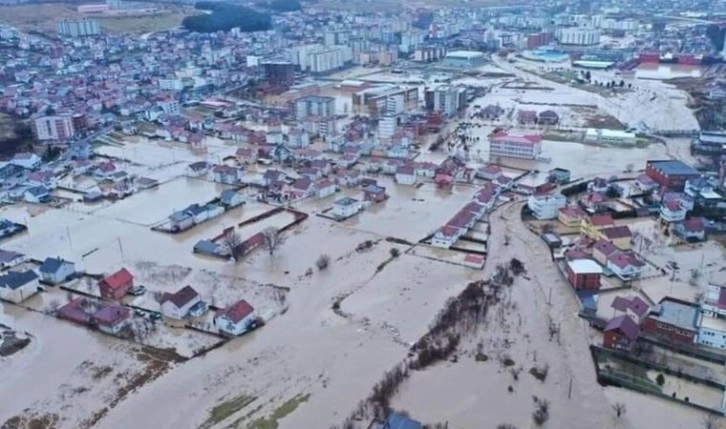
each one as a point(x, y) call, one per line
point(137, 290)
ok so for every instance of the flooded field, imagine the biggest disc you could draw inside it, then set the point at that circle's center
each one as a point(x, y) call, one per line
point(156, 204)
point(667, 71)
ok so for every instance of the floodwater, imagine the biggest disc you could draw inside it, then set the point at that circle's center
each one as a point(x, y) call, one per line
point(667, 71)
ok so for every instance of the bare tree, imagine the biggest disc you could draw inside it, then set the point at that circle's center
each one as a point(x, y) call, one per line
point(272, 238)
point(619, 409)
point(711, 421)
point(232, 244)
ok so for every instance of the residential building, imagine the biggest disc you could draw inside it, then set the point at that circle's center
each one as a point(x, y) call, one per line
point(446, 99)
point(673, 319)
point(601, 251)
point(278, 72)
point(503, 144)
point(714, 302)
point(591, 226)
point(178, 304)
point(112, 319)
point(546, 206)
point(405, 175)
point(672, 211)
point(236, 319)
point(446, 236)
point(671, 174)
point(223, 173)
point(577, 36)
point(584, 274)
point(26, 160)
point(199, 168)
point(489, 172)
point(633, 307)
point(571, 216)
point(116, 285)
point(559, 175)
point(56, 270)
point(345, 207)
point(17, 286)
point(37, 195)
point(79, 28)
point(325, 188)
point(230, 198)
point(548, 117)
point(384, 100)
point(54, 128)
point(314, 105)
point(621, 333)
point(620, 236)
point(626, 265)
point(693, 229)
point(9, 259)
point(374, 193)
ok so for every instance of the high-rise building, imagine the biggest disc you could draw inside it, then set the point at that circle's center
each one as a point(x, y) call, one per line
point(80, 28)
point(55, 128)
point(278, 72)
point(446, 99)
point(313, 105)
point(578, 36)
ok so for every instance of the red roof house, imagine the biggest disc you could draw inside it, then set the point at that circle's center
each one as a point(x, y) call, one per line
point(116, 285)
point(621, 332)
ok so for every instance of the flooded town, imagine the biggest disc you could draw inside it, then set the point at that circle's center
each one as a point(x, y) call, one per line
point(363, 215)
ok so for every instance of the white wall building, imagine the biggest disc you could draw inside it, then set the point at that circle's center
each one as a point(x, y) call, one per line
point(546, 206)
point(171, 84)
point(387, 126)
point(314, 105)
point(80, 28)
point(16, 286)
point(577, 36)
point(598, 135)
point(58, 128)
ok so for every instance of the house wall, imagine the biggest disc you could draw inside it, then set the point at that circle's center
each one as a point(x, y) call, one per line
point(113, 330)
point(109, 293)
point(169, 309)
point(712, 337)
point(60, 276)
point(326, 192)
point(345, 211)
point(405, 179)
point(665, 330)
point(20, 294)
point(439, 240)
point(226, 326)
point(621, 243)
point(583, 281)
point(570, 222)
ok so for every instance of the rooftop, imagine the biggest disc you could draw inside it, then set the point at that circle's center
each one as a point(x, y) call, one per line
point(675, 312)
point(585, 266)
point(674, 167)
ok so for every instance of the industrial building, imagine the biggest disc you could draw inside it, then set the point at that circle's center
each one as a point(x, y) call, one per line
point(670, 173)
point(464, 59)
point(80, 28)
point(602, 136)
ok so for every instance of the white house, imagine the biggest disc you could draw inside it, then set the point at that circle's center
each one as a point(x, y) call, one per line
point(546, 206)
point(711, 331)
point(714, 303)
point(9, 259)
point(446, 236)
point(36, 195)
point(197, 169)
point(56, 270)
point(26, 160)
point(231, 198)
point(325, 188)
point(673, 211)
point(111, 319)
point(625, 265)
point(345, 207)
point(405, 175)
point(177, 305)
point(17, 286)
point(236, 319)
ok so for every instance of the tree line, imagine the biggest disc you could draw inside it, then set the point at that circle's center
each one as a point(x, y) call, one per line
point(226, 16)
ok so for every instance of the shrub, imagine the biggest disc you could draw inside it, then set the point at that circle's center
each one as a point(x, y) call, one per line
point(323, 262)
point(660, 379)
point(540, 372)
point(395, 253)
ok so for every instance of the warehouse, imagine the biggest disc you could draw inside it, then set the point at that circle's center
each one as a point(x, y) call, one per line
point(603, 136)
point(464, 59)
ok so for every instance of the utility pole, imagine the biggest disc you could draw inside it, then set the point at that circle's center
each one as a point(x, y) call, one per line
point(121, 249)
point(68, 233)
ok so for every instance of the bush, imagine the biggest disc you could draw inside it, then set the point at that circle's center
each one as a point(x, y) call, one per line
point(660, 379)
point(541, 411)
point(323, 262)
point(540, 372)
point(395, 253)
